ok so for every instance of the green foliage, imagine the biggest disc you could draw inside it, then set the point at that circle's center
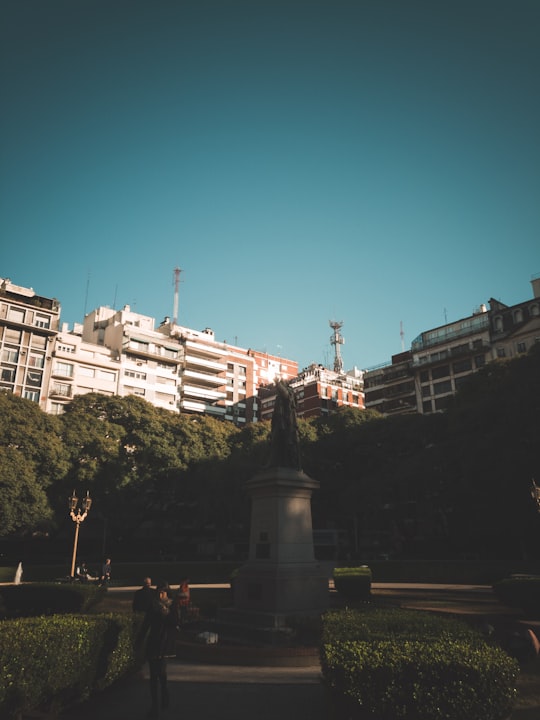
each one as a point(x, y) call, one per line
point(47, 599)
point(520, 592)
point(59, 660)
point(399, 665)
point(31, 456)
point(353, 582)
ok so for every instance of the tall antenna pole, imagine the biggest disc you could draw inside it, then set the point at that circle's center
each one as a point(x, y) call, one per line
point(177, 272)
point(402, 335)
point(336, 340)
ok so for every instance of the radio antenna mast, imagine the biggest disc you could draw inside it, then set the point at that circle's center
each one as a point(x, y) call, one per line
point(177, 272)
point(336, 340)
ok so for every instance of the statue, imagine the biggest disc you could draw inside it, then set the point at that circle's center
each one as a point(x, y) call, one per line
point(284, 450)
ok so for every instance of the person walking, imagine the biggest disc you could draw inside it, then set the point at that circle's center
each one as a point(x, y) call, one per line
point(160, 623)
point(143, 598)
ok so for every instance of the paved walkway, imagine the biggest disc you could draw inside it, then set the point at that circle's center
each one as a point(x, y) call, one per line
point(225, 692)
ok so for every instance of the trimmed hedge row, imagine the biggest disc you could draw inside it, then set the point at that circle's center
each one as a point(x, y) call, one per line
point(521, 592)
point(353, 583)
point(405, 665)
point(52, 662)
point(29, 600)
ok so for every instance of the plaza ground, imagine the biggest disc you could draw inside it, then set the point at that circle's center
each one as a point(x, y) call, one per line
point(235, 692)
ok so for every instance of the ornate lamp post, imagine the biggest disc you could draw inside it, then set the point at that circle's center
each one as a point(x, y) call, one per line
point(78, 515)
point(535, 494)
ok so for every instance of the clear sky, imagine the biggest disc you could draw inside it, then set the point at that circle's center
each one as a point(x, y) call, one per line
point(375, 162)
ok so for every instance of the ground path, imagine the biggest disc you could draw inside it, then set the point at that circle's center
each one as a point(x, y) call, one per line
point(231, 692)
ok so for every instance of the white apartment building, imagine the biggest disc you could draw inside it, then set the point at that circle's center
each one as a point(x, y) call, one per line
point(28, 326)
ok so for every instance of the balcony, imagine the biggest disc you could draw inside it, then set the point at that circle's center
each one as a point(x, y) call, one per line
point(203, 378)
point(202, 393)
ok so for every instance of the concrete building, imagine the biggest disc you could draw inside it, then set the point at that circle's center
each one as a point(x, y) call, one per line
point(120, 352)
point(318, 391)
point(390, 388)
point(442, 358)
point(28, 327)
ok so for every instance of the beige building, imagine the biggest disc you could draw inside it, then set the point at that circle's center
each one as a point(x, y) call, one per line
point(28, 327)
point(120, 352)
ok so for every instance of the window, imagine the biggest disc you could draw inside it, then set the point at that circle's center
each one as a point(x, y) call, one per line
point(168, 352)
point(12, 336)
point(535, 310)
point(518, 316)
point(31, 395)
point(440, 372)
point(424, 376)
point(135, 374)
point(521, 347)
point(86, 371)
point(36, 360)
point(33, 378)
point(498, 323)
point(10, 355)
point(462, 366)
point(135, 391)
point(63, 368)
point(107, 375)
point(8, 375)
point(43, 321)
point(16, 315)
point(442, 387)
point(480, 361)
point(501, 352)
point(61, 347)
point(63, 389)
point(57, 408)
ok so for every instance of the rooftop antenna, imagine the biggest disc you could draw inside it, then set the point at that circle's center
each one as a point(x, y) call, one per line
point(177, 272)
point(336, 340)
point(86, 293)
point(402, 335)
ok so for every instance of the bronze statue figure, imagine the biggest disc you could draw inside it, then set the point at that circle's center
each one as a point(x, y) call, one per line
point(284, 446)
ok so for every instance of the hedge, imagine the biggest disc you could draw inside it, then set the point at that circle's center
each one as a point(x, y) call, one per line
point(353, 583)
point(57, 661)
point(32, 599)
point(521, 592)
point(380, 666)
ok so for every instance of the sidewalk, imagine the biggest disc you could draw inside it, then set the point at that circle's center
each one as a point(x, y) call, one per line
point(222, 692)
point(230, 692)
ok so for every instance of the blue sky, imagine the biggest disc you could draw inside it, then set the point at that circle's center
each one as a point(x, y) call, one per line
point(375, 162)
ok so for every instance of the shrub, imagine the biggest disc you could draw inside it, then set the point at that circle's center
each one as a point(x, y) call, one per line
point(47, 599)
point(520, 592)
point(381, 666)
point(353, 582)
point(59, 660)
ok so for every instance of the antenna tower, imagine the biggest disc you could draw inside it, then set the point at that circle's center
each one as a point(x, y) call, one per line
point(336, 340)
point(402, 335)
point(177, 272)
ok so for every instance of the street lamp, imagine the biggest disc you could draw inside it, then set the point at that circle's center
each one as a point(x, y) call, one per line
point(78, 515)
point(535, 494)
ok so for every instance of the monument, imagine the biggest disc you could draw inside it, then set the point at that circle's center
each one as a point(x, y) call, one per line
point(281, 578)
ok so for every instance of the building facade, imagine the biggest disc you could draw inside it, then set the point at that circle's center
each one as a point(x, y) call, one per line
point(120, 352)
point(318, 392)
point(442, 358)
point(28, 327)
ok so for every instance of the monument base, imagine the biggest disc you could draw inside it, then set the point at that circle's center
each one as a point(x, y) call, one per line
point(281, 589)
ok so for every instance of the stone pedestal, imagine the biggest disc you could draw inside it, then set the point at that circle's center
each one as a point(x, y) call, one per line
point(281, 577)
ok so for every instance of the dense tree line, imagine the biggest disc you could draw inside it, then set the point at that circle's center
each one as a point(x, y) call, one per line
point(451, 484)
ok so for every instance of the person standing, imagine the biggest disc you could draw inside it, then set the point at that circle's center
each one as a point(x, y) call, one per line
point(106, 570)
point(160, 623)
point(183, 598)
point(143, 598)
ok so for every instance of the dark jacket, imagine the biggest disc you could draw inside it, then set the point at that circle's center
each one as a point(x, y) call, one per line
point(161, 623)
point(143, 599)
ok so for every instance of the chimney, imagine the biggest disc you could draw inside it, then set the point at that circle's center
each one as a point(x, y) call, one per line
point(535, 282)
